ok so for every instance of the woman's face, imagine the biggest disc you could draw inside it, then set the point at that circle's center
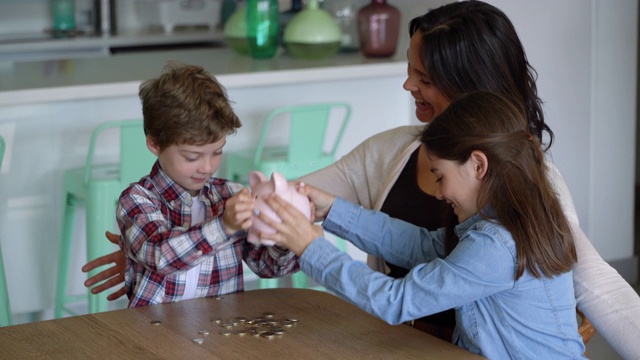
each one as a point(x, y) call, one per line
point(429, 101)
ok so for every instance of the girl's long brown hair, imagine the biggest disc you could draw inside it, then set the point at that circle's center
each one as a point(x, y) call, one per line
point(516, 189)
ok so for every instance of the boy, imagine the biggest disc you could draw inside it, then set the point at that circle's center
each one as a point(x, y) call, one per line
point(184, 231)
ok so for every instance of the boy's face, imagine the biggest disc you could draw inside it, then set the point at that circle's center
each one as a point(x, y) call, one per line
point(190, 166)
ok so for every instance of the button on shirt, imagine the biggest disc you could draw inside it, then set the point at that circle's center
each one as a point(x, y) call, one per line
point(154, 217)
point(497, 316)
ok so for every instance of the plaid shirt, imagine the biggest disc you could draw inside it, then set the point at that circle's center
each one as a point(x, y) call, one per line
point(154, 217)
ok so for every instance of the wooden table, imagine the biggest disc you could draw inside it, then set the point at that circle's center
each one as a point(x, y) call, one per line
point(327, 328)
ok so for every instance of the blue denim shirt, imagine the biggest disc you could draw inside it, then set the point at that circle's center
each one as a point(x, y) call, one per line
point(497, 316)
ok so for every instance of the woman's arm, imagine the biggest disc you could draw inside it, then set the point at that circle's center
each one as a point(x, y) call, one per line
point(606, 299)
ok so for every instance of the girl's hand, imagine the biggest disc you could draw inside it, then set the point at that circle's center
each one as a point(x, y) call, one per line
point(238, 212)
point(295, 232)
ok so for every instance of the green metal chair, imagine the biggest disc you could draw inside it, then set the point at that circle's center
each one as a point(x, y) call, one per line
point(308, 125)
point(5, 306)
point(308, 131)
point(98, 187)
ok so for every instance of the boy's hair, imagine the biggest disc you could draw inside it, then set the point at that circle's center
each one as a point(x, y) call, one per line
point(186, 105)
point(515, 190)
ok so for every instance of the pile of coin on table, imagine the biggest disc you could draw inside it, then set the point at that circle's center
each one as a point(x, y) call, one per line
point(265, 325)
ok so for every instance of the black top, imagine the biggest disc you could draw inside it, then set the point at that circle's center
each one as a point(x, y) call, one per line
point(408, 202)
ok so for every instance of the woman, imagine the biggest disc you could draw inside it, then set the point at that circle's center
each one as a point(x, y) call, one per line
point(457, 48)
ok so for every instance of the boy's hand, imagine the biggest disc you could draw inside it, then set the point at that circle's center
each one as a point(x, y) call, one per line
point(238, 212)
point(295, 232)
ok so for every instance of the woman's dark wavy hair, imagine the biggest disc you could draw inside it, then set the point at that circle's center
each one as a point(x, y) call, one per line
point(470, 46)
point(515, 190)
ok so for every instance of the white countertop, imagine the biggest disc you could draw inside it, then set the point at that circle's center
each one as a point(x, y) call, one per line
point(120, 75)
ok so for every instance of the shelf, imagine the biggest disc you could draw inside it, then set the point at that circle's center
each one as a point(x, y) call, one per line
point(120, 75)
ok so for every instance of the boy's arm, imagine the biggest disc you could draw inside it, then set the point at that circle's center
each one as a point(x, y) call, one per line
point(269, 261)
point(148, 238)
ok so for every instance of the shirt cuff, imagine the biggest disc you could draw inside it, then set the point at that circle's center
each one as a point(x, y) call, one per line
point(341, 217)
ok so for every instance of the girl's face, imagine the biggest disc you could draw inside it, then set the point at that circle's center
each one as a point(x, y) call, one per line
point(458, 184)
point(429, 101)
point(190, 166)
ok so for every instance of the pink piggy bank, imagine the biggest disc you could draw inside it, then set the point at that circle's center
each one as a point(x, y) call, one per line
point(260, 188)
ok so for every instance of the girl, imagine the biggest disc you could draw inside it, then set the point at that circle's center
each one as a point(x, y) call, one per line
point(509, 275)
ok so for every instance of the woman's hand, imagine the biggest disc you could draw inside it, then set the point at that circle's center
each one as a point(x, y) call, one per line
point(114, 275)
point(321, 201)
point(295, 232)
point(238, 212)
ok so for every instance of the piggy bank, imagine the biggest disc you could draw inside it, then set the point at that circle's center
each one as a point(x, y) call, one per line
point(260, 188)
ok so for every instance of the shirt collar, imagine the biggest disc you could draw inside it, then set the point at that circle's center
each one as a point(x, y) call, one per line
point(170, 191)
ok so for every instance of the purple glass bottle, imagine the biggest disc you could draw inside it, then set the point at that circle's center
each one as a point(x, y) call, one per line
point(378, 27)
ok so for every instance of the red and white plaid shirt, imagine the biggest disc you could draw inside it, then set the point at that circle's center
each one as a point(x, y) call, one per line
point(154, 217)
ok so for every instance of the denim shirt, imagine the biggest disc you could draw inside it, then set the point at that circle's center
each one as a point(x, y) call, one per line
point(497, 316)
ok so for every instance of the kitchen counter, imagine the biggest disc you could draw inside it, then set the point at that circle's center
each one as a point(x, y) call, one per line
point(118, 75)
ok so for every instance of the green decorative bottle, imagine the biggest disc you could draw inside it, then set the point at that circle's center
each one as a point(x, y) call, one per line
point(263, 23)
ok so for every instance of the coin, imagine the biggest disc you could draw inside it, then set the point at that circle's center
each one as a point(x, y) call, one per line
point(156, 322)
point(268, 334)
point(216, 320)
point(198, 340)
point(269, 315)
point(204, 332)
point(240, 332)
point(292, 319)
point(225, 332)
point(286, 323)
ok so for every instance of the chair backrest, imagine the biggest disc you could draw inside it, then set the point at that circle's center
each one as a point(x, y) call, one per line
point(5, 308)
point(135, 157)
point(308, 128)
point(2, 146)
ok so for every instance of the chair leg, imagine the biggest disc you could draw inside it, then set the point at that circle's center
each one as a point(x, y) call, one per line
point(267, 283)
point(101, 210)
point(299, 280)
point(5, 308)
point(68, 221)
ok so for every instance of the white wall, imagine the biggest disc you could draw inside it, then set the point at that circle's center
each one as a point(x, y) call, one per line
point(585, 53)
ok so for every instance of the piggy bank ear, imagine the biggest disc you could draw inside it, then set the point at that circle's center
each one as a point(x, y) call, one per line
point(280, 183)
point(255, 178)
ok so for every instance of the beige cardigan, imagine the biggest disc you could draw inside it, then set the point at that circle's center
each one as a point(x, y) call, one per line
point(366, 175)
